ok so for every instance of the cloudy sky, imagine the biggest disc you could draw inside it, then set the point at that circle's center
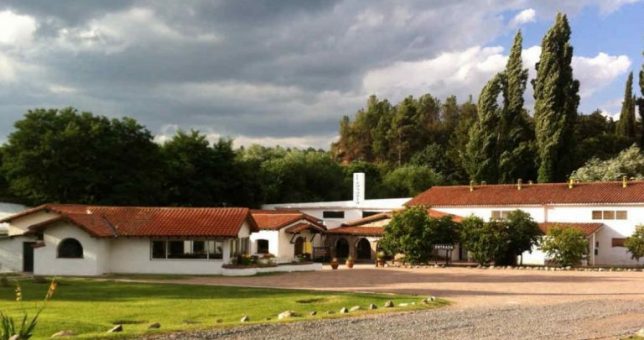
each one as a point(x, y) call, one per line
point(285, 72)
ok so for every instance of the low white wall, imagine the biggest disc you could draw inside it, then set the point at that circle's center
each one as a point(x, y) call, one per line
point(278, 269)
point(95, 253)
point(11, 254)
point(132, 256)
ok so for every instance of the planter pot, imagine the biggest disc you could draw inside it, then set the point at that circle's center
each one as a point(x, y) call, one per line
point(334, 265)
point(380, 263)
point(349, 264)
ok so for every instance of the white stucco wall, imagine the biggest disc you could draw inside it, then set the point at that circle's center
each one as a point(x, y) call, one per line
point(133, 256)
point(95, 259)
point(11, 254)
point(279, 242)
point(606, 255)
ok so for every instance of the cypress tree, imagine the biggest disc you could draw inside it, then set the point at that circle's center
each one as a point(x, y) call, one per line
point(556, 96)
point(641, 107)
point(515, 135)
point(626, 123)
point(481, 152)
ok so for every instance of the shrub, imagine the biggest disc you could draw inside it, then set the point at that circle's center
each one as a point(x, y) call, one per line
point(566, 246)
point(501, 241)
point(413, 233)
point(635, 243)
point(486, 241)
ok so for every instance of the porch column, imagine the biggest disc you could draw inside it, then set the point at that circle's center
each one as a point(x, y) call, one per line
point(226, 250)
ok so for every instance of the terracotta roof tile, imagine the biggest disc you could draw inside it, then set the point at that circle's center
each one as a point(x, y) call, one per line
point(110, 221)
point(532, 194)
point(440, 214)
point(358, 231)
point(278, 219)
point(369, 219)
point(300, 227)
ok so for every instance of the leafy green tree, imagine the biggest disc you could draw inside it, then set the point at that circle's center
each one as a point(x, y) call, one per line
point(523, 234)
point(302, 176)
point(486, 241)
point(409, 180)
point(626, 123)
point(635, 243)
point(71, 157)
point(516, 154)
point(556, 95)
point(197, 174)
point(482, 149)
point(413, 233)
point(629, 163)
point(566, 246)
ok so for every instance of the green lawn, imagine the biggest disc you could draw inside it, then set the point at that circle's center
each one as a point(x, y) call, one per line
point(91, 307)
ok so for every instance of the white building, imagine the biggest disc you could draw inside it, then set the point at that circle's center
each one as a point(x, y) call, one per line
point(335, 213)
point(57, 239)
point(607, 213)
point(286, 234)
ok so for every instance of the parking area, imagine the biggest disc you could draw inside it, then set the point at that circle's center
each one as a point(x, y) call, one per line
point(465, 287)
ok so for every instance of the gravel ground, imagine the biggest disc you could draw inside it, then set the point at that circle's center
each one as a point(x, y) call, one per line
point(591, 319)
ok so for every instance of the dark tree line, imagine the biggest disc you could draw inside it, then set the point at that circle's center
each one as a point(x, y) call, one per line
point(496, 140)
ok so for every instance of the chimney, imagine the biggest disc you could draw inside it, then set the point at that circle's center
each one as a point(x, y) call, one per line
point(358, 187)
point(471, 185)
point(624, 182)
point(571, 183)
point(519, 182)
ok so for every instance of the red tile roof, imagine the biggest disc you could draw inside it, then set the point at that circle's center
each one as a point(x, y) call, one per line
point(300, 227)
point(369, 219)
point(440, 214)
point(357, 231)
point(110, 221)
point(532, 194)
point(586, 228)
point(278, 219)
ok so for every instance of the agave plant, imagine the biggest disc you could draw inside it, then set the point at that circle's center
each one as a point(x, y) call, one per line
point(25, 329)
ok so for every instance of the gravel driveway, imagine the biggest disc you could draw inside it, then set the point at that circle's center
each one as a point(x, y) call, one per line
point(487, 304)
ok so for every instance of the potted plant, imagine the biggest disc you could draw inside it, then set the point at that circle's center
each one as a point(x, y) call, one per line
point(349, 262)
point(380, 259)
point(334, 263)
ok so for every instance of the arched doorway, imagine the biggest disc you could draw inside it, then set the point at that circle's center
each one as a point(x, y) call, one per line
point(341, 248)
point(299, 246)
point(363, 249)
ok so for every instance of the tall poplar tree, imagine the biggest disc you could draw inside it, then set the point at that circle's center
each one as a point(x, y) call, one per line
point(626, 123)
point(516, 159)
point(556, 95)
point(481, 152)
point(641, 106)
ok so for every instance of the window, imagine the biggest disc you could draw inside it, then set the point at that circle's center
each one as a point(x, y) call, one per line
point(158, 249)
point(262, 246)
point(333, 214)
point(621, 215)
point(618, 242)
point(500, 214)
point(70, 248)
point(215, 249)
point(610, 215)
point(186, 249)
point(369, 213)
